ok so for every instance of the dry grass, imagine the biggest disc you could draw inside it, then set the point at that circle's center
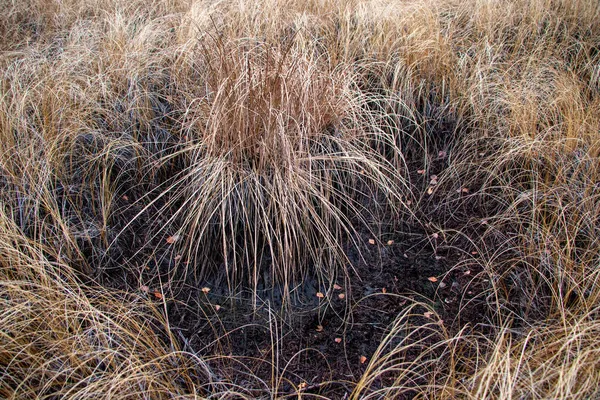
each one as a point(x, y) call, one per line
point(256, 134)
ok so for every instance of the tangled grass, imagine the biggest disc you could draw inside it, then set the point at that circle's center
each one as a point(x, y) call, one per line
point(259, 138)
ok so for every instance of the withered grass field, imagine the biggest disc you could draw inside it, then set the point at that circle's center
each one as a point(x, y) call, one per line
point(257, 162)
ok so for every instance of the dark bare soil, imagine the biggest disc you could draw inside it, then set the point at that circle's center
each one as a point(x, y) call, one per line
point(313, 341)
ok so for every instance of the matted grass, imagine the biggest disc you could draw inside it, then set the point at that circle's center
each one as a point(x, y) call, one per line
point(150, 151)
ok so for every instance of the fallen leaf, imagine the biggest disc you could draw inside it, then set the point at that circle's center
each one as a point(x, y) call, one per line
point(474, 253)
point(405, 255)
point(390, 242)
point(158, 295)
point(217, 307)
point(442, 154)
point(341, 296)
point(172, 239)
point(320, 295)
point(465, 190)
point(302, 385)
point(467, 272)
point(125, 197)
point(432, 279)
point(205, 290)
point(178, 257)
point(371, 241)
point(428, 314)
point(442, 285)
point(383, 290)
point(338, 340)
point(144, 288)
point(408, 202)
point(435, 235)
point(363, 359)
point(319, 328)
point(430, 190)
point(434, 177)
point(421, 171)
point(337, 287)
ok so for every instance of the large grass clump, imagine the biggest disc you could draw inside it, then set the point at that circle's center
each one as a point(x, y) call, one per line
point(281, 158)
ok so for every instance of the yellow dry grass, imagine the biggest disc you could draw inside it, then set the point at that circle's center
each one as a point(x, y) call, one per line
point(280, 118)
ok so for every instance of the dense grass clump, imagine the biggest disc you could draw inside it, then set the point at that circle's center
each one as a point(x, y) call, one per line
point(172, 174)
point(281, 159)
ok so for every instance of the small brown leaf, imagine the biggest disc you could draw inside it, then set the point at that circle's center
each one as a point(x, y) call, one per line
point(205, 290)
point(337, 287)
point(338, 340)
point(341, 296)
point(465, 190)
point(320, 295)
point(383, 290)
point(430, 191)
point(442, 285)
point(172, 239)
point(363, 359)
point(420, 171)
point(371, 241)
point(158, 295)
point(467, 272)
point(435, 235)
point(302, 385)
point(217, 307)
point(474, 253)
point(432, 279)
point(390, 242)
point(125, 197)
point(319, 328)
point(144, 288)
point(428, 314)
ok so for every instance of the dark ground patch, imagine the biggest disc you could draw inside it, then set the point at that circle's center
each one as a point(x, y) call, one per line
point(319, 342)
